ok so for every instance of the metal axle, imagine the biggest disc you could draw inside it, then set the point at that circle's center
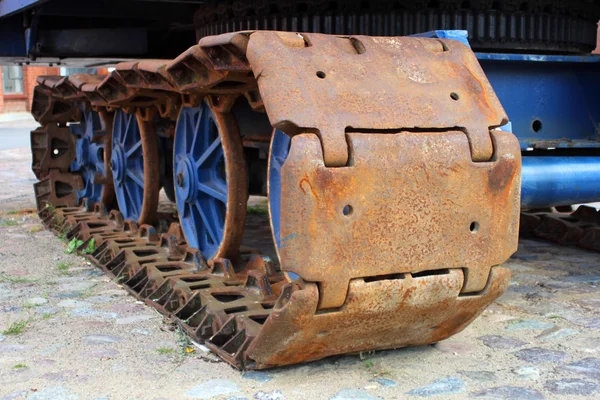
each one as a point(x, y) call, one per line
point(554, 181)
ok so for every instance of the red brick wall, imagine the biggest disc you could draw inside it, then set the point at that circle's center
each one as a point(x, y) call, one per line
point(22, 102)
point(30, 75)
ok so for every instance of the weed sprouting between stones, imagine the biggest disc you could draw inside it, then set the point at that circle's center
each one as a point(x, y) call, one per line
point(8, 222)
point(165, 350)
point(14, 279)
point(16, 328)
point(63, 268)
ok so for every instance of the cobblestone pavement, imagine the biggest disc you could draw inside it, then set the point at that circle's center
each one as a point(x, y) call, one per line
point(67, 332)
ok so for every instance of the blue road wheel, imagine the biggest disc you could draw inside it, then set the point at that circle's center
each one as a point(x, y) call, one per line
point(135, 167)
point(278, 153)
point(92, 156)
point(210, 180)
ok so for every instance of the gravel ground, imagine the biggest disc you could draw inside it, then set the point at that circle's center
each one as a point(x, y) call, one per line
point(67, 332)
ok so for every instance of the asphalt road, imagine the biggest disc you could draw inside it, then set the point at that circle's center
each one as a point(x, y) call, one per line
point(15, 134)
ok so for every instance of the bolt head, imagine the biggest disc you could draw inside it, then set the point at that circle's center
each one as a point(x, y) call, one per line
point(179, 179)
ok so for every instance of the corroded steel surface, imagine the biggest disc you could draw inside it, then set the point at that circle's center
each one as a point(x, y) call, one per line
point(409, 202)
point(380, 314)
point(337, 84)
point(52, 147)
point(399, 199)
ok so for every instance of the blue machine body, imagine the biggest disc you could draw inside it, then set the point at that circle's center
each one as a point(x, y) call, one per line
point(553, 181)
point(552, 102)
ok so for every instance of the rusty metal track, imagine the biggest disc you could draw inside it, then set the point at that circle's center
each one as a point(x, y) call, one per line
point(400, 201)
point(579, 228)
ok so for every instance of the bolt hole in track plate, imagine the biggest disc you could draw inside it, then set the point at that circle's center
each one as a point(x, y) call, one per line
point(210, 174)
point(416, 85)
point(405, 209)
point(134, 164)
point(407, 187)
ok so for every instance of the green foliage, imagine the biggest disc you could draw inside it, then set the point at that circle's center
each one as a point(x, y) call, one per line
point(35, 229)
point(73, 245)
point(16, 328)
point(20, 366)
point(258, 209)
point(165, 350)
point(8, 222)
point(91, 247)
point(184, 343)
point(63, 268)
point(14, 279)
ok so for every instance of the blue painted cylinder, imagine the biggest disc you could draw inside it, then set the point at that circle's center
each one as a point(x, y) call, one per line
point(555, 181)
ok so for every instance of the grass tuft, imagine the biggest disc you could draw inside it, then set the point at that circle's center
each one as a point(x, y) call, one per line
point(20, 366)
point(14, 279)
point(63, 268)
point(165, 350)
point(258, 209)
point(8, 222)
point(36, 229)
point(16, 328)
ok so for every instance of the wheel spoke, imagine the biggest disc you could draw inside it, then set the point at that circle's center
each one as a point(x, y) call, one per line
point(135, 178)
point(213, 146)
point(195, 132)
point(199, 156)
point(134, 148)
point(131, 204)
point(127, 128)
point(219, 192)
point(207, 224)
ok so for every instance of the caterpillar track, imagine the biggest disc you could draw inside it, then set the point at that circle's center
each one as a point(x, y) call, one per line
point(578, 228)
point(393, 198)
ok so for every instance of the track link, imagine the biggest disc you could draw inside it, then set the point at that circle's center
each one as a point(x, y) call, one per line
point(579, 228)
point(399, 199)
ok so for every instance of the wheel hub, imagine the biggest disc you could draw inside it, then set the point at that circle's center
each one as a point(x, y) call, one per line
point(117, 164)
point(186, 176)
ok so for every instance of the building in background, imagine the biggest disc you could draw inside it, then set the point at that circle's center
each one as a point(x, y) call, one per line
point(17, 83)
